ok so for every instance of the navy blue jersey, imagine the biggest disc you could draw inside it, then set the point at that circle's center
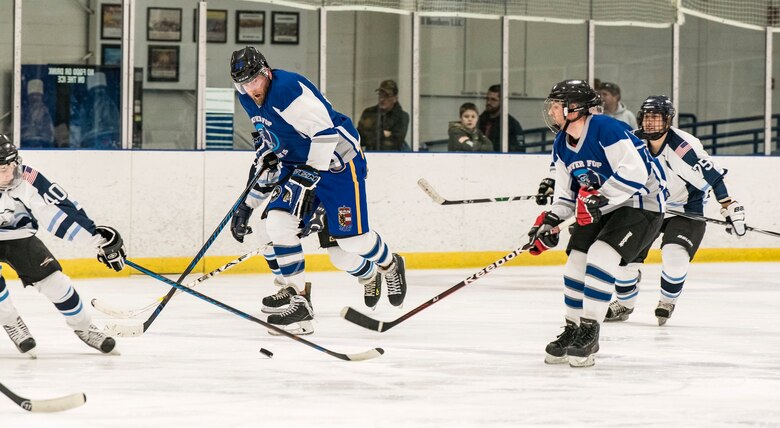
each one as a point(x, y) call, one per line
point(610, 158)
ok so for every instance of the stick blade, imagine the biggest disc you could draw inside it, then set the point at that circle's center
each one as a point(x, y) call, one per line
point(110, 311)
point(355, 317)
point(428, 189)
point(368, 355)
point(55, 404)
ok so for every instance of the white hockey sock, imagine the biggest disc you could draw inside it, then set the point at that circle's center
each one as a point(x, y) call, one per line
point(626, 279)
point(57, 288)
point(352, 263)
point(573, 285)
point(369, 246)
point(602, 264)
point(8, 312)
point(675, 262)
point(282, 228)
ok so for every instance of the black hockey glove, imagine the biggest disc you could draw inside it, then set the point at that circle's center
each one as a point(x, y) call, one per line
point(544, 234)
point(545, 192)
point(300, 187)
point(239, 224)
point(112, 252)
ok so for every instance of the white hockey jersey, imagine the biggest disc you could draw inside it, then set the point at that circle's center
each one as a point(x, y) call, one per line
point(36, 203)
point(690, 172)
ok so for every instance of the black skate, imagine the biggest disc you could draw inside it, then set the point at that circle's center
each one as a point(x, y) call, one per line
point(585, 345)
point(663, 312)
point(96, 339)
point(556, 350)
point(21, 337)
point(279, 301)
point(617, 312)
point(372, 290)
point(296, 319)
point(395, 278)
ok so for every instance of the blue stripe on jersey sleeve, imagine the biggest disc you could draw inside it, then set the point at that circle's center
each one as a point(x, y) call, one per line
point(631, 184)
point(73, 214)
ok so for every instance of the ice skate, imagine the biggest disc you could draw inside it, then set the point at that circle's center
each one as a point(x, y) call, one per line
point(663, 312)
point(278, 302)
point(556, 350)
point(582, 350)
point(21, 337)
point(617, 312)
point(395, 278)
point(372, 290)
point(97, 339)
point(296, 318)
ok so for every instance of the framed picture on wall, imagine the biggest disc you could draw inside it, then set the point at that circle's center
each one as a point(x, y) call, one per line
point(250, 27)
point(285, 28)
point(163, 63)
point(163, 24)
point(111, 21)
point(216, 26)
point(111, 54)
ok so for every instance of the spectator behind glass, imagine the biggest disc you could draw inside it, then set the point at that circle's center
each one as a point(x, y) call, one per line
point(490, 123)
point(610, 94)
point(99, 116)
point(37, 124)
point(383, 126)
point(464, 134)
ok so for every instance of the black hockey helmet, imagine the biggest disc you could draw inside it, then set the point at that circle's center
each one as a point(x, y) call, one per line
point(658, 104)
point(575, 96)
point(246, 64)
point(8, 152)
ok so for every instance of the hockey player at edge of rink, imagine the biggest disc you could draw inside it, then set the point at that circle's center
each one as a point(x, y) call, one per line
point(607, 178)
point(690, 174)
point(28, 200)
point(318, 151)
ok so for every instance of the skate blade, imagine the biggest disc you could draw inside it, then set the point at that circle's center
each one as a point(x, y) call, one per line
point(270, 310)
point(301, 328)
point(551, 359)
point(662, 321)
point(32, 354)
point(582, 361)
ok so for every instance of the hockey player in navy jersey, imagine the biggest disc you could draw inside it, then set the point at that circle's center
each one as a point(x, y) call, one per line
point(29, 202)
point(607, 178)
point(364, 270)
point(690, 174)
point(318, 150)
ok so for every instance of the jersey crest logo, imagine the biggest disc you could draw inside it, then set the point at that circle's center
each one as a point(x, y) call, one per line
point(345, 218)
point(588, 178)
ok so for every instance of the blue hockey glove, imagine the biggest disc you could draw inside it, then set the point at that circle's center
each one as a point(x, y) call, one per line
point(239, 224)
point(300, 187)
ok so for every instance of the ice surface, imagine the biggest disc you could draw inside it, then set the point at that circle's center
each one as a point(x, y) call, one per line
point(474, 359)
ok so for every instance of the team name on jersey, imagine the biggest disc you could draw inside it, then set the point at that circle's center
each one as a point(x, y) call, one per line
point(261, 119)
point(590, 163)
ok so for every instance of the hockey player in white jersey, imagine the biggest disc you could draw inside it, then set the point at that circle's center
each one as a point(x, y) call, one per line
point(321, 163)
point(607, 178)
point(691, 174)
point(29, 202)
point(364, 270)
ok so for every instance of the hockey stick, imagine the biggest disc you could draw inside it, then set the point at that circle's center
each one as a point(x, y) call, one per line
point(367, 355)
point(130, 313)
point(203, 249)
point(363, 320)
point(721, 222)
point(46, 406)
point(433, 194)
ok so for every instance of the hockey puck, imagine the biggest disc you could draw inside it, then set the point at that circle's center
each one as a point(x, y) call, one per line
point(266, 352)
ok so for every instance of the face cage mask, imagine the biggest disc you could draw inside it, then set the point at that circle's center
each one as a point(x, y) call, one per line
point(17, 180)
point(641, 133)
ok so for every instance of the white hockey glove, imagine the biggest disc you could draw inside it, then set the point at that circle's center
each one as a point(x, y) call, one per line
point(112, 252)
point(734, 213)
point(301, 188)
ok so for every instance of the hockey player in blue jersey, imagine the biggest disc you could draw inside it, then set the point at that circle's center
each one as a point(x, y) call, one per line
point(364, 270)
point(690, 174)
point(318, 150)
point(607, 178)
point(29, 202)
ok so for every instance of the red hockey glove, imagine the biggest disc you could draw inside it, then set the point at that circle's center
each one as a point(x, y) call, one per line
point(589, 203)
point(544, 234)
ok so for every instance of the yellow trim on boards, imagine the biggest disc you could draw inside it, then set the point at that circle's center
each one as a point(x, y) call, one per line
point(91, 268)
